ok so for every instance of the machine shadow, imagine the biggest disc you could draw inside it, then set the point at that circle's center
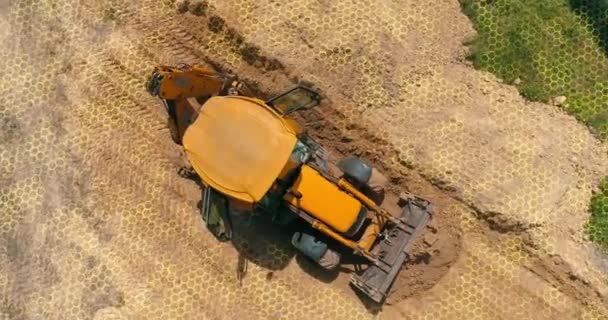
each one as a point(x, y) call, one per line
point(254, 236)
point(267, 245)
point(260, 241)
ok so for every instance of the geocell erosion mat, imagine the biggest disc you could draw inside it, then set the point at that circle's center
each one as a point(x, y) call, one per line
point(96, 222)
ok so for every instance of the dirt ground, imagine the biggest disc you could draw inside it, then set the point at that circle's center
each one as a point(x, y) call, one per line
point(97, 223)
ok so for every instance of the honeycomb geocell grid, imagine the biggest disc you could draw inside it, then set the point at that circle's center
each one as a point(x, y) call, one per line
point(96, 223)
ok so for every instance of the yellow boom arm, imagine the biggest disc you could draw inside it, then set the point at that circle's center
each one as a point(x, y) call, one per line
point(185, 81)
point(184, 88)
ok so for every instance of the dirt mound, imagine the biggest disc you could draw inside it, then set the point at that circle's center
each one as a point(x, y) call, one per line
point(431, 259)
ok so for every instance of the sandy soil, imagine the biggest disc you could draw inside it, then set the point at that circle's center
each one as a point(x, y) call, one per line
point(98, 224)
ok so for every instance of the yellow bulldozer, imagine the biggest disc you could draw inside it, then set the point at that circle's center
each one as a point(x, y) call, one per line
point(251, 156)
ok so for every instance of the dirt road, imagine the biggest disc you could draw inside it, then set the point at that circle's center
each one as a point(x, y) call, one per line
point(96, 222)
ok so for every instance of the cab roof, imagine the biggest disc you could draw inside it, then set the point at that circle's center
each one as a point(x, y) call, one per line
point(238, 146)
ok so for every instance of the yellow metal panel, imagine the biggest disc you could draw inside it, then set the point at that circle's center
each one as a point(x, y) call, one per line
point(324, 200)
point(293, 125)
point(190, 82)
point(238, 146)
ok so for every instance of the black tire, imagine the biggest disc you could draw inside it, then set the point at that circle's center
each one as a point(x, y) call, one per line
point(330, 260)
point(355, 170)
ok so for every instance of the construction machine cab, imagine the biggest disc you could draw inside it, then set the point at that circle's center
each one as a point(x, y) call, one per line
point(296, 99)
point(249, 154)
point(245, 150)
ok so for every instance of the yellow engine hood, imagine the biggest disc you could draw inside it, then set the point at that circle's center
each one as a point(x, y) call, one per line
point(238, 146)
point(324, 200)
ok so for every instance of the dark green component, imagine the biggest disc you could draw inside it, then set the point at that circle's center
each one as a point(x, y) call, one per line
point(309, 245)
point(355, 170)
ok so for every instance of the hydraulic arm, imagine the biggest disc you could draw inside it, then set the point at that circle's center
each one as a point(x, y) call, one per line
point(184, 88)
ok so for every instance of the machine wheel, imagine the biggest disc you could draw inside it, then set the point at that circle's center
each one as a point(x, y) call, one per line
point(330, 260)
point(365, 178)
point(173, 130)
point(355, 170)
point(316, 250)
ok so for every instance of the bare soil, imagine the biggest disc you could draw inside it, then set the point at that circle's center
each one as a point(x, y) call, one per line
point(99, 224)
